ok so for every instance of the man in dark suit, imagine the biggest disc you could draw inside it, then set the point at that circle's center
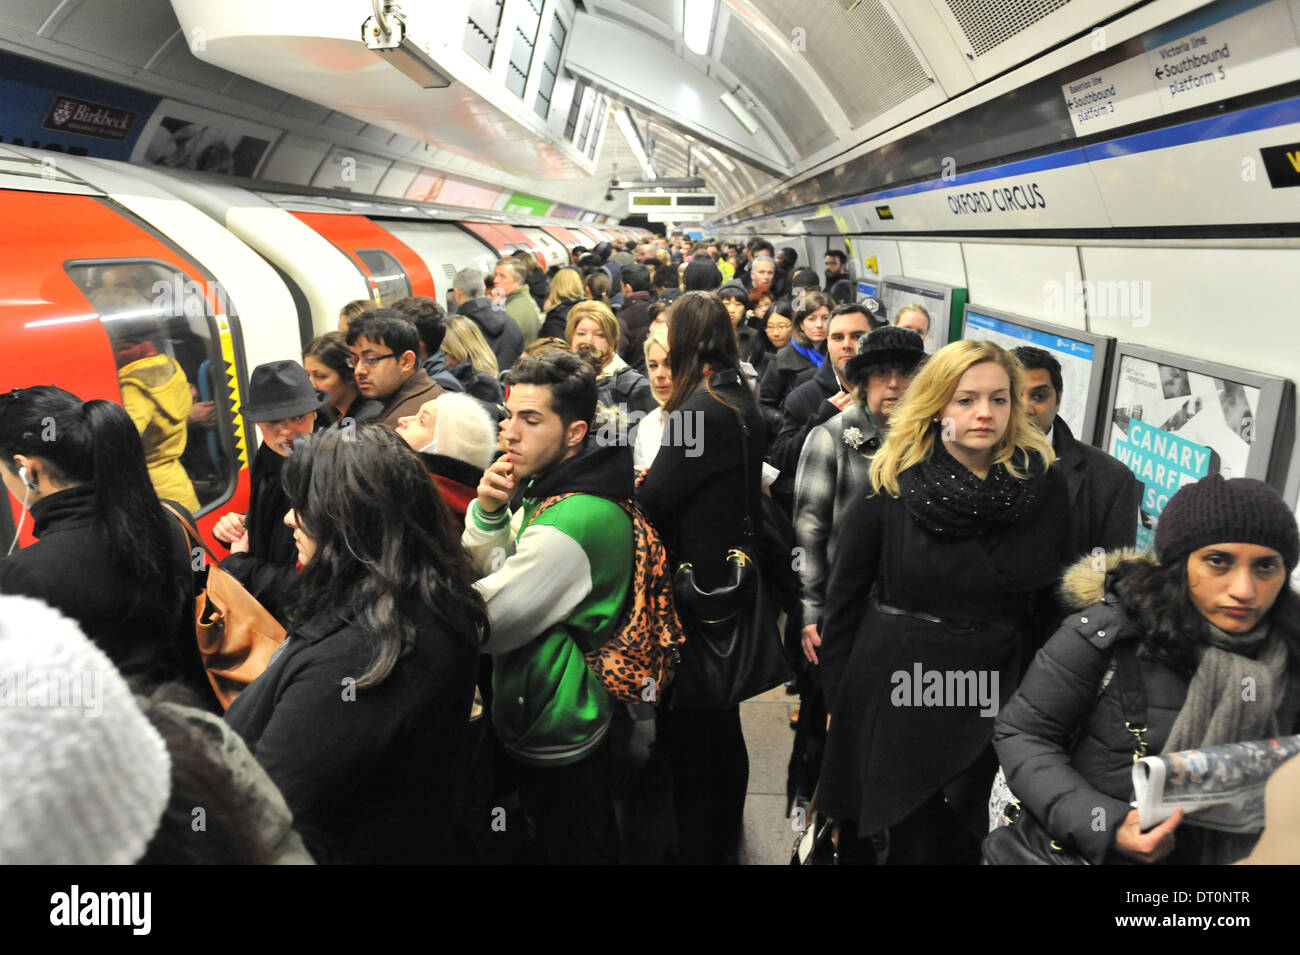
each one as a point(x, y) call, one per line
point(818, 398)
point(1104, 495)
point(634, 316)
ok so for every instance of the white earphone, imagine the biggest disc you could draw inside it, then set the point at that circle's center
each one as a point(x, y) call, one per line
point(31, 486)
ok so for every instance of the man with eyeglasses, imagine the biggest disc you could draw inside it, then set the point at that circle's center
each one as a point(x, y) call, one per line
point(385, 362)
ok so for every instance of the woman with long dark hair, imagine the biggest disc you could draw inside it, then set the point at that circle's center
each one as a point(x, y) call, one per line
point(1208, 631)
point(326, 362)
point(361, 715)
point(107, 554)
point(944, 573)
point(691, 494)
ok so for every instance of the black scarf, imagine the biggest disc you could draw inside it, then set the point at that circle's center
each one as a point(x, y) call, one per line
point(948, 500)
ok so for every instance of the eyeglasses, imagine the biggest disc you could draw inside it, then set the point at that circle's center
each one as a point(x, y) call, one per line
point(779, 327)
point(368, 361)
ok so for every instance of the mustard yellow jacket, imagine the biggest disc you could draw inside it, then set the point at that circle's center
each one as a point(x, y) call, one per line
point(156, 394)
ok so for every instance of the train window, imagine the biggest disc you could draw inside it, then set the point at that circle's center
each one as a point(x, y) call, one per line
point(388, 275)
point(595, 132)
point(481, 32)
point(521, 54)
point(575, 109)
point(162, 330)
point(550, 67)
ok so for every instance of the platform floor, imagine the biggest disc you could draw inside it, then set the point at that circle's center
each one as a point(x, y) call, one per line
point(769, 835)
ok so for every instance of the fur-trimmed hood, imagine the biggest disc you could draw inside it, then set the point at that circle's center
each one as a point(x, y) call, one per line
point(1084, 582)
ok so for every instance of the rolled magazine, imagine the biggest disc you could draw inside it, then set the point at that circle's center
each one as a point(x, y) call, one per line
point(1219, 787)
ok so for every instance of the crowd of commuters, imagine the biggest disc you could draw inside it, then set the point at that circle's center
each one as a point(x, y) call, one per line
point(447, 514)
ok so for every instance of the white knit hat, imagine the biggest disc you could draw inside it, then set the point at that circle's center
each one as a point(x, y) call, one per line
point(84, 776)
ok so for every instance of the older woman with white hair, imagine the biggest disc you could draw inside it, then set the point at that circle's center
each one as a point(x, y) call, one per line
point(457, 440)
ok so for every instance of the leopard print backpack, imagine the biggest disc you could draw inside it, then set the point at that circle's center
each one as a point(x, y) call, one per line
point(638, 662)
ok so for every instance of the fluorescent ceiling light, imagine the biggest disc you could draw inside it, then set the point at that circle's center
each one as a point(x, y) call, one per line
point(697, 24)
point(726, 163)
point(634, 142)
point(745, 117)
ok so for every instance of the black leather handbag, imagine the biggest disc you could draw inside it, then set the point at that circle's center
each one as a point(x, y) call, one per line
point(733, 646)
point(1024, 841)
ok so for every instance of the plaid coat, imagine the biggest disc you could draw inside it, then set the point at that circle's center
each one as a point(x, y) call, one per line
point(833, 473)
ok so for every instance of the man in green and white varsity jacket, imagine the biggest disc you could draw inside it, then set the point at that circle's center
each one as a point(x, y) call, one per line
point(555, 589)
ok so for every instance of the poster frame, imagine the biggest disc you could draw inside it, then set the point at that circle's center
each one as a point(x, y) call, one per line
point(1273, 424)
point(1098, 385)
point(954, 297)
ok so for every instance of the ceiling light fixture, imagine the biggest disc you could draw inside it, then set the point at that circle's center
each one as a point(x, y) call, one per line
point(726, 163)
point(385, 33)
point(738, 110)
point(624, 122)
point(697, 24)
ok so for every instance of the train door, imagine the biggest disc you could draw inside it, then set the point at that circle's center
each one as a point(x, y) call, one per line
point(505, 239)
point(99, 304)
point(567, 237)
point(445, 250)
point(392, 268)
point(550, 249)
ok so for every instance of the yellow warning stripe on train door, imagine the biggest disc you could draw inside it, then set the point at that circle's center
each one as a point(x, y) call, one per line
point(232, 389)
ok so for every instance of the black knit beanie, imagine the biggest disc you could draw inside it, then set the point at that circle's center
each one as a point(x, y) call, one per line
point(1215, 511)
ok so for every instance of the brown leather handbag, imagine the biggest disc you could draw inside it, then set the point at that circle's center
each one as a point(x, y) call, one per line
point(236, 635)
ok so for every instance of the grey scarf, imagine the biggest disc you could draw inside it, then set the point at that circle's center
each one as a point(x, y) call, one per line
point(1232, 698)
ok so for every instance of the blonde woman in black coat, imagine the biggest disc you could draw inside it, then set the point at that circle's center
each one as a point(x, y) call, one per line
point(941, 588)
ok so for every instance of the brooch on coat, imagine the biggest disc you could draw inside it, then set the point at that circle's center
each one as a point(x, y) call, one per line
point(854, 438)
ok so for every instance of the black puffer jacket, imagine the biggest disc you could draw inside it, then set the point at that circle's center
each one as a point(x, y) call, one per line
point(1066, 752)
point(557, 318)
point(539, 286)
point(481, 385)
point(782, 375)
point(499, 329)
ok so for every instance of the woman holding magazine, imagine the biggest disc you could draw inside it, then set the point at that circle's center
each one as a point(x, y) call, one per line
point(1200, 645)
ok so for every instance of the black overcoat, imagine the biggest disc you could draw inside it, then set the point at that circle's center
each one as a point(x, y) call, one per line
point(888, 752)
point(1104, 495)
point(369, 773)
point(68, 567)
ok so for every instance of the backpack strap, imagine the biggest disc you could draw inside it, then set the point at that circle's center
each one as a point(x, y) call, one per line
point(548, 503)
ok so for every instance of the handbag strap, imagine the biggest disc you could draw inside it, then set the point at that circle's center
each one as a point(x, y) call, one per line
point(1132, 695)
point(191, 532)
point(750, 535)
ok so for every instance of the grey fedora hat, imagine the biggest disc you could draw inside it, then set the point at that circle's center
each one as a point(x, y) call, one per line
point(280, 389)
